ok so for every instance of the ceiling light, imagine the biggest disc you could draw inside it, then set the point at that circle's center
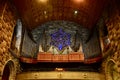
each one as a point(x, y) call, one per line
point(78, 1)
point(43, 1)
point(45, 12)
point(75, 12)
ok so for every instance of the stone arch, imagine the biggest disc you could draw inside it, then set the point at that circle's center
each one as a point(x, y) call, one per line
point(9, 71)
point(110, 70)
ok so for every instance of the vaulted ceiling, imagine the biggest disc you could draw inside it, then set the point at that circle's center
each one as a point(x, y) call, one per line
point(36, 12)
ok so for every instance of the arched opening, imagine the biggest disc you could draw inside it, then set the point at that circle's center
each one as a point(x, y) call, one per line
point(110, 65)
point(111, 73)
point(9, 71)
point(6, 73)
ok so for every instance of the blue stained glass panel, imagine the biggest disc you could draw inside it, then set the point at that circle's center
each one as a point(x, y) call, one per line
point(60, 39)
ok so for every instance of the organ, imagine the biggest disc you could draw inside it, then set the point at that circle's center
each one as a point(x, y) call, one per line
point(57, 42)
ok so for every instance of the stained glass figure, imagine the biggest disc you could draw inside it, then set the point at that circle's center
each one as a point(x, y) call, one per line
point(60, 39)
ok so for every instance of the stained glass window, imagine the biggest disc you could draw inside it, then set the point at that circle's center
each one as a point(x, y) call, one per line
point(60, 39)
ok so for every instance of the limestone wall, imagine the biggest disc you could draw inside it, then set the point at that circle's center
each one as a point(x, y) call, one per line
point(111, 64)
point(7, 24)
point(113, 26)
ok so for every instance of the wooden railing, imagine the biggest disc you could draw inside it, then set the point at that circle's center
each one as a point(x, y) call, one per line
point(71, 57)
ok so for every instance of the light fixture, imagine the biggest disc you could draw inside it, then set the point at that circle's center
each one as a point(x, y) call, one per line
point(78, 1)
point(75, 12)
point(45, 12)
point(59, 69)
point(43, 1)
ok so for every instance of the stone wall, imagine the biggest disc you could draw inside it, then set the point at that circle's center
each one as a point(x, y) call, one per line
point(111, 63)
point(113, 26)
point(7, 23)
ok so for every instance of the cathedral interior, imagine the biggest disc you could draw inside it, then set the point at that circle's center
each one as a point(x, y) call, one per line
point(60, 39)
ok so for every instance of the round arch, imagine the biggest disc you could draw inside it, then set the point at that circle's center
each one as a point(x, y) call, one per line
point(110, 70)
point(9, 71)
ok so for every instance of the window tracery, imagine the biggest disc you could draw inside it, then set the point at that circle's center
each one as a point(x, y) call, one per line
point(60, 39)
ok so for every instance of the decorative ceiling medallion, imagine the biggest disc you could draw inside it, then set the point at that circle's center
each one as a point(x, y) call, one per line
point(60, 39)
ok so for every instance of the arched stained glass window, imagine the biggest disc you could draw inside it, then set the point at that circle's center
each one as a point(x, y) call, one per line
point(60, 39)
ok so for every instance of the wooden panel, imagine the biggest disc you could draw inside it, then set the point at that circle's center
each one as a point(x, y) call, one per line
point(48, 57)
point(60, 58)
point(93, 60)
point(73, 57)
point(44, 57)
point(76, 57)
point(28, 60)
